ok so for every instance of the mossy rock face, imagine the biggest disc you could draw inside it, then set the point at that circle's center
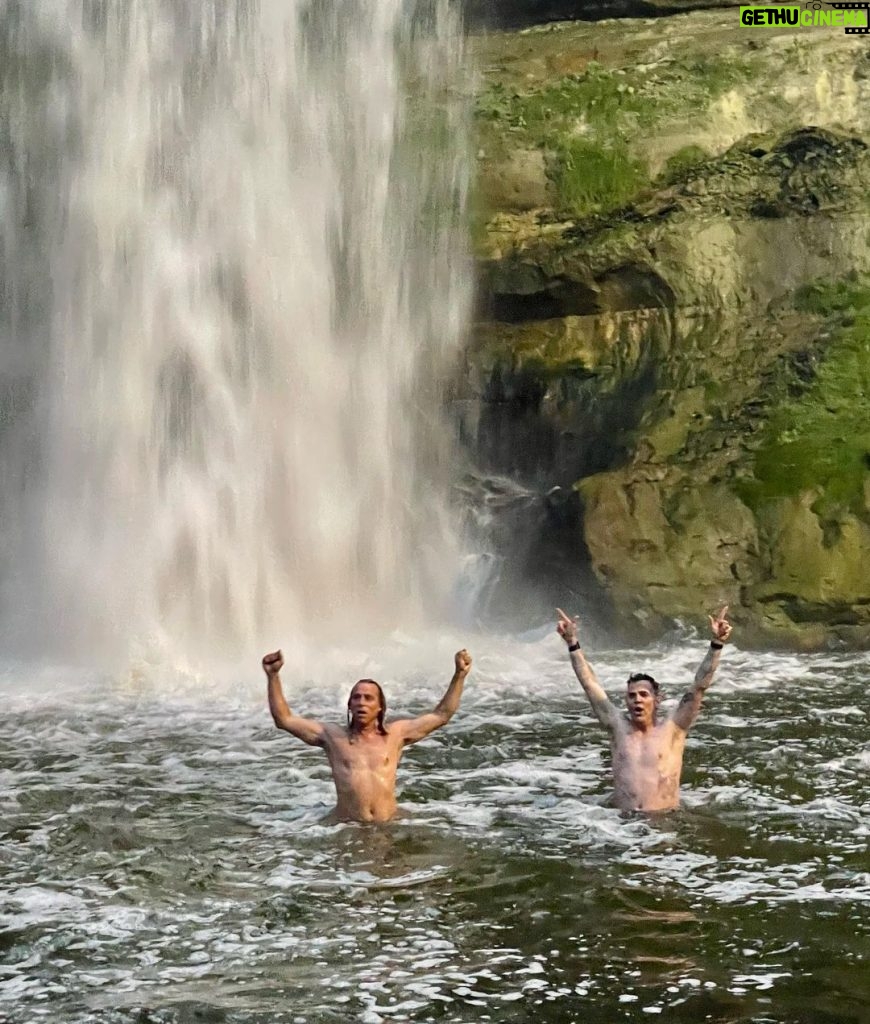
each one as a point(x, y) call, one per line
point(815, 561)
point(560, 398)
point(722, 415)
point(673, 532)
point(675, 549)
point(818, 582)
point(660, 336)
point(819, 440)
point(668, 549)
point(721, 235)
point(617, 108)
point(519, 181)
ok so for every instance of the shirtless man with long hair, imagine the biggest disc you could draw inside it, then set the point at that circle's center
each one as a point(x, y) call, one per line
point(647, 752)
point(365, 753)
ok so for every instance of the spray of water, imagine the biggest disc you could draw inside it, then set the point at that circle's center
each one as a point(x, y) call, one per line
point(234, 280)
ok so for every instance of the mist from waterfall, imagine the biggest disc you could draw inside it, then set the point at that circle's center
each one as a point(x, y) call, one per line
point(233, 280)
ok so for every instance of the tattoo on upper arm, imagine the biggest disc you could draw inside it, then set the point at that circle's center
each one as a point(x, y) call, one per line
point(687, 698)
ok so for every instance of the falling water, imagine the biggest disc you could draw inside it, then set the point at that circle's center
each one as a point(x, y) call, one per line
point(232, 281)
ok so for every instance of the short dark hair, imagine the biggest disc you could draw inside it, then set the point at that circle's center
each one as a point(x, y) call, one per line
point(381, 727)
point(640, 677)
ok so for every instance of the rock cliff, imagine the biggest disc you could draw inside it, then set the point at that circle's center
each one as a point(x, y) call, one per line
point(673, 339)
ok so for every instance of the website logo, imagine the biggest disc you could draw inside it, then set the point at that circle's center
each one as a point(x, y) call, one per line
point(852, 17)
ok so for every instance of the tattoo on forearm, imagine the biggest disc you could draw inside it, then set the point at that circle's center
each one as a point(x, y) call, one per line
point(704, 675)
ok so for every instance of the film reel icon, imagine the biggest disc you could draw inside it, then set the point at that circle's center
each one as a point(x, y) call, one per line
point(850, 30)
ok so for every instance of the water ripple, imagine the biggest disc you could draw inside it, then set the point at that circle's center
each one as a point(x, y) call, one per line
point(165, 861)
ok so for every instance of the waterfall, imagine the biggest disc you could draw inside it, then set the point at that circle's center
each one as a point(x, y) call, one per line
point(233, 282)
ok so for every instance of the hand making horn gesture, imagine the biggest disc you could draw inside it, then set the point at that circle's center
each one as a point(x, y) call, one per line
point(720, 626)
point(566, 627)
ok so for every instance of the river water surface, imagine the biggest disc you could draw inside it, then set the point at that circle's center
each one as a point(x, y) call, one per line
point(163, 858)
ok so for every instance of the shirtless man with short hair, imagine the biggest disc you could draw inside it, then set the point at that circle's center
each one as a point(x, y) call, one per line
point(647, 753)
point(364, 754)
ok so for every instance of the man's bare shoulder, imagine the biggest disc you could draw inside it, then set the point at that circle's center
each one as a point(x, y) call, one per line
point(334, 735)
point(620, 725)
point(397, 731)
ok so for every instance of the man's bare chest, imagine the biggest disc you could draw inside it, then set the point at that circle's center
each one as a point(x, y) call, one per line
point(377, 756)
point(647, 750)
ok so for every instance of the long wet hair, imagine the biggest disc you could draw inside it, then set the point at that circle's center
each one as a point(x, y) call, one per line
point(381, 727)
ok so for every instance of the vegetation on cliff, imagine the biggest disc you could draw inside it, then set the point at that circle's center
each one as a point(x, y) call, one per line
point(590, 124)
point(675, 315)
point(818, 439)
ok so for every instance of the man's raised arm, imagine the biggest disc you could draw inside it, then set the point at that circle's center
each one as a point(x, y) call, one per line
point(686, 712)
point(603, 710)
point(305, 729)
point(412, 729)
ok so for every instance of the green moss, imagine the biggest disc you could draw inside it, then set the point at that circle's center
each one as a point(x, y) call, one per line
point(827, 297)
point(607, 102)
point(544, 369)
point(668, 435)
point(821, 440)
point(589, 124)
point(714, 75)
point(683, 160)
point(596, 105)
point(590, 178)
point(599, 98)
point(495, 104)
point(478, 221)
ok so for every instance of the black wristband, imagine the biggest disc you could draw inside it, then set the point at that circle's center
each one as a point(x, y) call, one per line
point(574, 647)
point(716, 645)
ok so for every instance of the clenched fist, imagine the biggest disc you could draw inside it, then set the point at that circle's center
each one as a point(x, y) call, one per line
point(273, 663)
